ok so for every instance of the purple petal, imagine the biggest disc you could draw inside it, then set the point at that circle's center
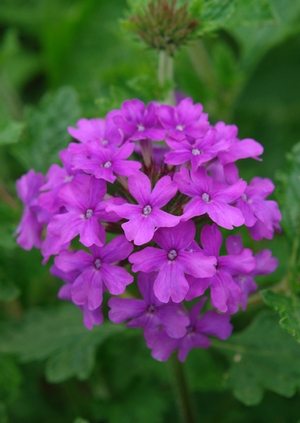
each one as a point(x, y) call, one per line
point(211, 239)
point(148, 259)
point(115, 278)
point(212, 323)
point(163, 192)
point(171, 283)
point(122, 309)
point(118, 249)
point(140, 188)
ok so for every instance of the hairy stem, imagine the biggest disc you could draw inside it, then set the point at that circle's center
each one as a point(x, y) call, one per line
point(165, 73)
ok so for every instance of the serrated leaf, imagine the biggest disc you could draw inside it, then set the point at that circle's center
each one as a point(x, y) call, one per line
point(10, 379)
point(10, 132)
point(262, 357)
point(60, 337)
point(289, 194)
point(47, 132)
point(289, 311)
point(215, 14)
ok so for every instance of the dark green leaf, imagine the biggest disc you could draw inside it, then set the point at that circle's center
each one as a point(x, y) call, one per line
point(210, 369)
point(262, 357)
point(10, 380)
point(8, 290)
point(3, 413)
point(289, 194)
point(60, 337)
point(80, 420)
point(289, 311)
point(47, 132)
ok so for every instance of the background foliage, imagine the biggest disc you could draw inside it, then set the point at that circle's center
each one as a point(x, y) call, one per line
point(65, 59)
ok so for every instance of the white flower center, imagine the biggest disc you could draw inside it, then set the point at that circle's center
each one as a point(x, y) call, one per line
point(172, 254)
point(147, 210)
point(244, 197)
point(89, 213)
point(196, 152)
point(97, 263)
point(205, 197)
point(140, 128)
point(68, 178)
point(180, 127)
point(107, 165)
point(104, 142)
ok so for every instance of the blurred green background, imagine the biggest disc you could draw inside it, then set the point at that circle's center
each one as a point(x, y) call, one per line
point(65, 59)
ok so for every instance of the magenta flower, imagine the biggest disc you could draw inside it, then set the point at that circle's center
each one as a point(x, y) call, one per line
point(261, 216)
point(146, 216)
point(149, 312)
point(83, 210)
point(225, 293)
point(106, 163)
point(210, 323)
point(90, 317)
point(237, 149)
point(30, 228)
point(103, 131)
point(186, 119)
point(264, 265)
point(210, 198)
point(56, 178)
point(173, 261)
point(139, 122)
point(97, 271)
point(196, 153)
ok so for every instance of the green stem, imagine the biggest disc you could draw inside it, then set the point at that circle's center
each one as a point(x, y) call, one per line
point(183, 395)
point(202, 64)
point(165, 73)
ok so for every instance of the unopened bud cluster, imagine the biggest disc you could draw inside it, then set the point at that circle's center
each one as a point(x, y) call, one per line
point(163, 26)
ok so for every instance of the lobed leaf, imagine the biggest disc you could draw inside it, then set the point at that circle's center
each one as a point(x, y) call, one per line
point(47, 133)
point(261, 357)
point(289, 194)
point(59, 336)
point(289, 311)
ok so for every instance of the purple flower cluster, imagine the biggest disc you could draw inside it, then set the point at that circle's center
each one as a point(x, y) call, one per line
point(159, 182)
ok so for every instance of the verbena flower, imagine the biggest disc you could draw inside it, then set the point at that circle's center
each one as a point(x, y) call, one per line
point(151, 198)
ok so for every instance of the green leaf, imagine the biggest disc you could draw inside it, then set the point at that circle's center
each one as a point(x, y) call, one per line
point(261, 357)
point(3, 413)
point(60, 337)
point(255, 42)
point(10, 132)
point(10, 380)
point(289, 311)
point(289, 194)
point(251, 13)
point(8, 290)
point(80, 420)
point(47, 132)
point(210, 369)
point(215, 14)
